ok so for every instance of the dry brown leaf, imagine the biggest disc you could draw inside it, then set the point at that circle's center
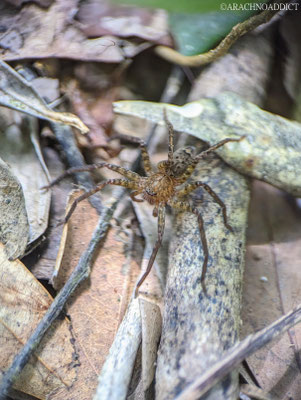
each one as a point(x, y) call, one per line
point(95, 309)
point(19, 147)
point(18, 94)
point(23, 303)
point(103, 18)
point(14, 228)
point(43, 267)
point(33, 32)
point(272, 287)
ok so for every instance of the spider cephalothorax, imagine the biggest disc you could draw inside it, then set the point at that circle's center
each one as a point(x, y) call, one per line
point(158, 188)
point(166, 186)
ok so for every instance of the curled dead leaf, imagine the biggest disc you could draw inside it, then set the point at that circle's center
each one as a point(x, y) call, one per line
point(18, 94)
point(20, 148)
point(14, 228)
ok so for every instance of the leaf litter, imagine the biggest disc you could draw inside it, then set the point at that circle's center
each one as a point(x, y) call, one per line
point(226, 105)
point(35, 32)
point(23, 302)
point(96, 312)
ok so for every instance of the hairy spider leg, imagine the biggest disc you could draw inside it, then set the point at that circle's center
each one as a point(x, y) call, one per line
point(196, 160)
point(170, 136)
point(192, 186)
point(185, 206)
point(161, 225)
point(144, 153)
point(217, 145)
point(134, 194)
point(122, 171)
point(118, 182)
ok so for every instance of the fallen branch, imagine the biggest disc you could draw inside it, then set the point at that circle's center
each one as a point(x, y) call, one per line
point(117, 370)
point(238, 353)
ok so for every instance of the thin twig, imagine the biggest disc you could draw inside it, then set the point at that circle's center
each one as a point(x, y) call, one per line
point(116, 372)
point(65, 137)
point(80, 273)
point(222, 48)
point(238, 353)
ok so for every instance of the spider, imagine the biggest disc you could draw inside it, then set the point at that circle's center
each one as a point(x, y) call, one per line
point(160, 188)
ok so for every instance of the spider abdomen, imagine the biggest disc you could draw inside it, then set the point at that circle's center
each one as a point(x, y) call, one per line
point(159, 188)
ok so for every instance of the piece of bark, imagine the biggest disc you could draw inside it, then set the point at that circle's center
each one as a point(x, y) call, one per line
point(237, 354)
point(198, 329)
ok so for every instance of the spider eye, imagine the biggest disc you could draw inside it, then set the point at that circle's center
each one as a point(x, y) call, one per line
point(151, 192)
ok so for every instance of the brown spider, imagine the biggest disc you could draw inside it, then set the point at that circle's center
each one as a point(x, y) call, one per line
point(160, 188)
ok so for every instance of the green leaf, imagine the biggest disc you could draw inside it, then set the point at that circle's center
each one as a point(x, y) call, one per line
point(198, 33)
